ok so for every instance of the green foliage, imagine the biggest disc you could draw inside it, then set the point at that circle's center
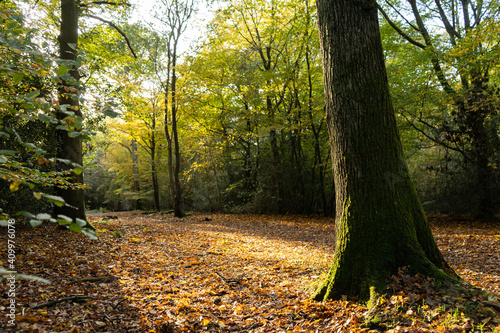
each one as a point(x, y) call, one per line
point(255, 95)
point(28, 79)
point(447, 98)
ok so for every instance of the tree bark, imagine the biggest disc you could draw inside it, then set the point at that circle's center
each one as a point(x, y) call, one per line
point(154, 174)
point(70, 148)
point(380, 223)
point(177, 194)
point(135, 169)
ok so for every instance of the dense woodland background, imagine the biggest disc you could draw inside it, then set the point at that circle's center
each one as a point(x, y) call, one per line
point(245, 99)
point(156, 110)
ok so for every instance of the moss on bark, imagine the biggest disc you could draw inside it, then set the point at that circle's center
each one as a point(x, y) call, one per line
point(381, 225)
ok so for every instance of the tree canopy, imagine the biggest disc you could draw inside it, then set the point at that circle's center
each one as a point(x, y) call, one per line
point(249, 107)
point(390, 110)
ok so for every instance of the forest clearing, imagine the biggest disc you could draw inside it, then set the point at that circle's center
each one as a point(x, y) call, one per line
point(233, 273)
point(216, 132)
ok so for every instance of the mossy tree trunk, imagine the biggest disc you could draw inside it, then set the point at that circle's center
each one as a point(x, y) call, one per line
point(380, 222)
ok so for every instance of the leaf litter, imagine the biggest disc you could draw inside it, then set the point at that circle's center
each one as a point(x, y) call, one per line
point(235, 273)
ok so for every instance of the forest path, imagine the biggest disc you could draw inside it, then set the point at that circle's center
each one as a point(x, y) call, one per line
point(227, 273)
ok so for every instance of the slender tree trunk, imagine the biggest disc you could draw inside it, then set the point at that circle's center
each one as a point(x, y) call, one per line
point(70, 148)
point(135, 170)
point(277, 187)
point(154, 175)
point(318, 160)
point(380, 223)
point(176, 186)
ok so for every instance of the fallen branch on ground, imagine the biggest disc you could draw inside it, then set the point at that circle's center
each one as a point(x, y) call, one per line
point(93, 279)
point(60, 300)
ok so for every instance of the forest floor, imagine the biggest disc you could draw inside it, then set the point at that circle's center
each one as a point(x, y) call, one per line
point(232, 273)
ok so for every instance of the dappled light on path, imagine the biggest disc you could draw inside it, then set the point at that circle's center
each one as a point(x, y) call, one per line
point(222, 273)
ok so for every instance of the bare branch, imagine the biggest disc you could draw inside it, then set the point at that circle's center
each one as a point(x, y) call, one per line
point(83, 5)
point(111, 24)
point(449, 28)
point(434, 58)
point(401, 15)
point(399, 31)
point(434, 139)
point(60, 300)
point(465, 9)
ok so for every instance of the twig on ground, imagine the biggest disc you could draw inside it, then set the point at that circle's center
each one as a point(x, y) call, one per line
point(93, 279)
point(60, 300)
point(227, 281)
point(114, 307)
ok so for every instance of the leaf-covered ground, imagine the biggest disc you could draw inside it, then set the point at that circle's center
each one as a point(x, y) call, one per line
point(232, 273)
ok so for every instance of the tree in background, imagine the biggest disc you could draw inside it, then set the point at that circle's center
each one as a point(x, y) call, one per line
point(268, 130)
point(173, 15)
point(456, 47)
point(380, 223)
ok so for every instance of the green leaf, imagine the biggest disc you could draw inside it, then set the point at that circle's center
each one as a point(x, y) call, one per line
point(63, 160)
point(56, 200)
point(35, 223)
point(89, 233)
point(80, 222)
point(47, 119)
point(17, 77)
point(43, 216)
point(75, 227)
point(64, 218)
point(77, 123)
point(74, 134)
point(111, 114)
point(37, 195)
point(78, 170)
point(33, 94)
point(27, 214)
point(62, 70)
point(3, 159)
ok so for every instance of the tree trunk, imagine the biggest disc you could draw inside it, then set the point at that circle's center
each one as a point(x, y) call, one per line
point(70, 148)
point(176, 195)
point(479, 108)
point(154, 175)
point(135, 169)
point(380, 223)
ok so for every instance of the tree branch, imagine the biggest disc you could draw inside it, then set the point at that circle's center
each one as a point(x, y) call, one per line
point(60, 300)
point(93, 279)
point(106, 3)
point(449, 28)
point(401, 15)
point(433, 139)
point(434, 59)
point(111, 24)
point(398, 30)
